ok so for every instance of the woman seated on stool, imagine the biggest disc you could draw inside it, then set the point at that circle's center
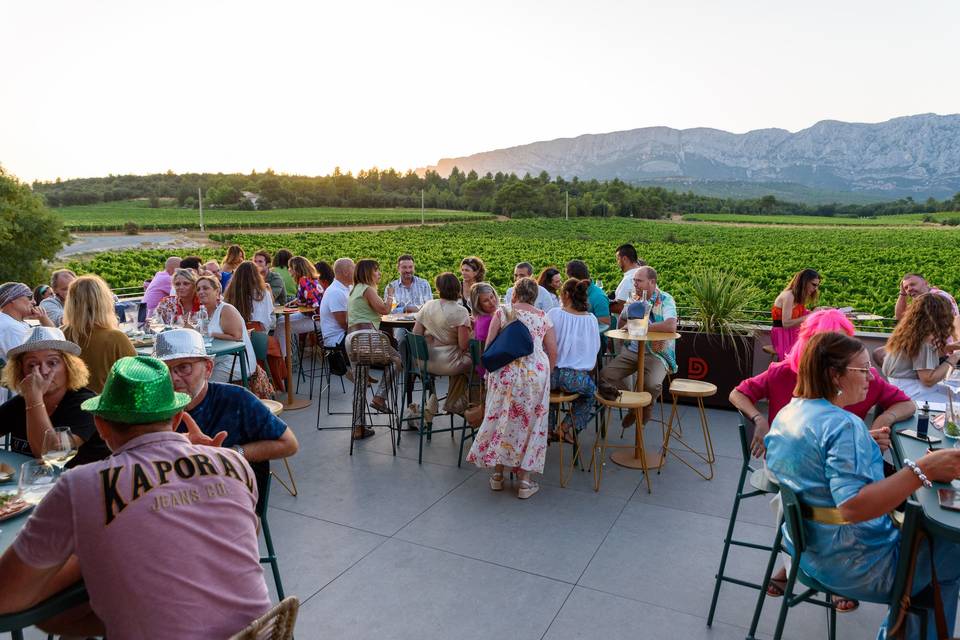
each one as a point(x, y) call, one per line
point(776, 385)
point(445, 325)
point(827, 457)
point(577, 345)
point(484, 301)
point(917, 353)
point(364, 308)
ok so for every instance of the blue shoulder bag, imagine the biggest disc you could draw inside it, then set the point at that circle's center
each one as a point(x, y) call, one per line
point(514, 341)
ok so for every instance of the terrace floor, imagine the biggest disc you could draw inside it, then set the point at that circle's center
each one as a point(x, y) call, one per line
point(379, 546)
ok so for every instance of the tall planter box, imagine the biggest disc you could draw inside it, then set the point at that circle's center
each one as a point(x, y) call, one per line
point(703, 356)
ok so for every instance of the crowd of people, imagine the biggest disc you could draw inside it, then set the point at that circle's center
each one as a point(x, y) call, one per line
point(63, 345)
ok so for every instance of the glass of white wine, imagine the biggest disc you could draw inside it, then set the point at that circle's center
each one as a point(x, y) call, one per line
point(36, 480)
point(59, 447)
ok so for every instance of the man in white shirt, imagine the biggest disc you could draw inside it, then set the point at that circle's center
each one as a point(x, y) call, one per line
point(545, 301)
point(16, 307)
point(53, 306)
point(410, 291)
point(628, 262)
point(333, 305)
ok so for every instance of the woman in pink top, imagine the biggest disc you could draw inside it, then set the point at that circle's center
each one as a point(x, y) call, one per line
point(484, 302)
point(776, 384)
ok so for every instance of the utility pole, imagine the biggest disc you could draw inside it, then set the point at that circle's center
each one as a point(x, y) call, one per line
point(566, 206)
point(200, 200)
point(422, 221)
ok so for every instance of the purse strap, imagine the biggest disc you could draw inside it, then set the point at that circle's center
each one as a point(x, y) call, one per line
point(899, 628)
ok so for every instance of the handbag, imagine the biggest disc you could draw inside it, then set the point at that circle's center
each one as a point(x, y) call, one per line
point(514, 341)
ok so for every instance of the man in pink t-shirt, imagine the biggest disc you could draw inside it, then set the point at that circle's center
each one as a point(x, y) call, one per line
point(161, 285)
point(164, 531)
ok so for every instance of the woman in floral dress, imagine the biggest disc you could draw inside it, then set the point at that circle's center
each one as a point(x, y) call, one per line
point(514, 429)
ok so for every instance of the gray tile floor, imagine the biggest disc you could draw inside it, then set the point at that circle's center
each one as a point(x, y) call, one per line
point(379, 546)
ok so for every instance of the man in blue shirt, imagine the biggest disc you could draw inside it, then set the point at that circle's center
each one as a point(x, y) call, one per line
point(659, 356)
point(252, 430)
point(409, 291)
point(545, 301)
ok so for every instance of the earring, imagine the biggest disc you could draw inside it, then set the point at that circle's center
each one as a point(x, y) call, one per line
point(839, 392)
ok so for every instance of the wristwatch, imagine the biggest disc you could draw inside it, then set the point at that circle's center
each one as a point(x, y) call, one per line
point(238, 449)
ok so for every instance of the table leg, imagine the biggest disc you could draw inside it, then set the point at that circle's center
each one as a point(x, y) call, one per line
point(292, 403)
point(638, 458)
point(244, 374)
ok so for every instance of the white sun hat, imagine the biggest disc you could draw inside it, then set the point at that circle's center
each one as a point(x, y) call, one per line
point(42, 338)
point(179, 343)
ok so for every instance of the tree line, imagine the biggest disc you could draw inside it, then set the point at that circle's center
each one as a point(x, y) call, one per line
point(501, 193)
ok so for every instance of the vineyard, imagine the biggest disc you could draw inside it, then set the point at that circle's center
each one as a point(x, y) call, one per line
point(860, 267)
point(897, 220)
point(112, 216)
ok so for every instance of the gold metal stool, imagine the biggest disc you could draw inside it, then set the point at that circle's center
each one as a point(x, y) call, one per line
point(684, 388)
point(635, 401)
point(560, 401)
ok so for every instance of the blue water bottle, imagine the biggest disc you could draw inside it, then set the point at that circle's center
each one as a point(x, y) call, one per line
point(923, 420)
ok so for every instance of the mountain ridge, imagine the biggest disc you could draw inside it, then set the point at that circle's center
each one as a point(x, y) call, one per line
point(917, 156)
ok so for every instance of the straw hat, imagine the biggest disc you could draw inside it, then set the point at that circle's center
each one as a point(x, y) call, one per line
point(45, 338)
point(137, 391)
point(179, 343)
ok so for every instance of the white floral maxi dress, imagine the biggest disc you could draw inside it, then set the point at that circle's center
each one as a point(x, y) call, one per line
point(514, 429)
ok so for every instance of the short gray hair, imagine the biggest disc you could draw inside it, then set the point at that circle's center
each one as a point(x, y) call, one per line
point(649, 272)
point(526, 266)
point(55, 276)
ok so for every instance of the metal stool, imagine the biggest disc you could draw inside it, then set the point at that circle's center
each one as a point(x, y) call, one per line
point(762, 484)
point(560, 402)
point(683, 388)
point(369, 349)
point(632, 400)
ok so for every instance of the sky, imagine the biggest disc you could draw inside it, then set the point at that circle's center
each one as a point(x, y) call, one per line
point(118, 87)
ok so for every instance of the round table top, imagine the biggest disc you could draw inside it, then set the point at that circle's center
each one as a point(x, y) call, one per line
point(282, 309)
point(276, 408)
point(621, 334)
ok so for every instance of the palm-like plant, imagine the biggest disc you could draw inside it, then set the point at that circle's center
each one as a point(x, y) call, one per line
point(721, 300)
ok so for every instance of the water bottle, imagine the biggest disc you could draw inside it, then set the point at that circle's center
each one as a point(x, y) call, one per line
point(202, 319)
point(923, 420)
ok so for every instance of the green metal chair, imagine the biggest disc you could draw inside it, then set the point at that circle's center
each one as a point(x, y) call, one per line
point(417, 357)
point(752, 483)
point(263, 482)
point(794, 514)
point(15, 623)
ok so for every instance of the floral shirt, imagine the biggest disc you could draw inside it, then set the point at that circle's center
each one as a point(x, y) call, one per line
point(663, 308)
point(309, 292)
point(170, 306)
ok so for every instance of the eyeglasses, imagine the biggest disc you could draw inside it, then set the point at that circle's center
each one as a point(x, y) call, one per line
point(184, 369)
point(866, 370)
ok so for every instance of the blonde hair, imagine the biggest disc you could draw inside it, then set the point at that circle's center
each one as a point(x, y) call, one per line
point(89, 306)
point(300, 267)
point(233, 258)
point(77, 373)
point(213, 280)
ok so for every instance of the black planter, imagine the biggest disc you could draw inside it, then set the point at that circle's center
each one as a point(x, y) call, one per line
point(704, 356)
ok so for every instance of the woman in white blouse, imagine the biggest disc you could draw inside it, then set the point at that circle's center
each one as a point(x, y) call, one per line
point(577, 345)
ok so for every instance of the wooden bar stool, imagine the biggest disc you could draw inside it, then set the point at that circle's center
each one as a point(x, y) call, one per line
point(560, 402)
point(684, 388)
point(631, 400)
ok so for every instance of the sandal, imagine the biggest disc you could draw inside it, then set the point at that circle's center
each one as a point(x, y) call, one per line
point(776, 587)
point(527, 489)
point(563, 433)
point(839, 600)
point(496, 482)
point(364, 432)
point(380, 405)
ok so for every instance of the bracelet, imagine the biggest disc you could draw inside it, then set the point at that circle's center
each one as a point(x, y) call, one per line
point(754, 418)
point(913, 466)
point(35, 405)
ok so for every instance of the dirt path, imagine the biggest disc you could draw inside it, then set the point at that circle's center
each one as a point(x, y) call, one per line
point(89, 243)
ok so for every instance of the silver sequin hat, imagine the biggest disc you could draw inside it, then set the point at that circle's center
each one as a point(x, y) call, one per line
point(179, 343)
point(45, 338)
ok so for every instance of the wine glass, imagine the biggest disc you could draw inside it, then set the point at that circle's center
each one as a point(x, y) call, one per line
point(59, 447)
point(36, 480)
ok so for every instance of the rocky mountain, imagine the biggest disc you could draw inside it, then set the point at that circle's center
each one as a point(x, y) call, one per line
point(917, 156)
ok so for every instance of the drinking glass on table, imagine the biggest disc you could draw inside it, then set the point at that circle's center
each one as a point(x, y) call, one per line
point(59, 447)
point(391, 301)
point(36, 480)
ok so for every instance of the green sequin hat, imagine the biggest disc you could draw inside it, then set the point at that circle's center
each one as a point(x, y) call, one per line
point(137, 391)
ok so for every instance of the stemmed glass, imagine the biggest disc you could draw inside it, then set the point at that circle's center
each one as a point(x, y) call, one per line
point(59, 447)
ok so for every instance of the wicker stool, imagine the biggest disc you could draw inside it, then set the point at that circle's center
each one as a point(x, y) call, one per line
point(683, 388)
point(373, 349)
point(631, 400)
point(560, 402)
